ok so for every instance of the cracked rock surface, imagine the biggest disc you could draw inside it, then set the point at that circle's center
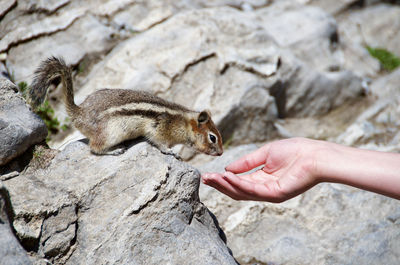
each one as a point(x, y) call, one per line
point(11, 252)
point(236, 59)
point(266, 69)
point(228, 61)
point(141, 207)
point(19, 127)
point(329, 224)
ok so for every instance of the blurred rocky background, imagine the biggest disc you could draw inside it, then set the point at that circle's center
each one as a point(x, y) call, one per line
point(266, 70)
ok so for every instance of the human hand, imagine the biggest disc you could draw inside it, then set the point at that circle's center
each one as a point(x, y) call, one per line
point(289, 169)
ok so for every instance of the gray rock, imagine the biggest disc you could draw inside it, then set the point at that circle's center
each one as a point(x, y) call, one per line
point(48, 28)
point(370, 22)
point(226, 61)
point(19, 127)
point(315, 78)
point(208, 65)
point(336, 7)
point(98, 38)
point(386, 87)
point(309, 32)
point(6, 6)
point(17, 28)
point(141, 207)
point(245, 69)
point(250, 63)
point(378, 127)
point(11, 252)
point(329, 224)
point(375, 26)
point(310, 93)
point(143, 15)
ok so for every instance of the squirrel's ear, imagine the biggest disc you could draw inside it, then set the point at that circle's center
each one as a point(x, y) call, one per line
point(203, 117)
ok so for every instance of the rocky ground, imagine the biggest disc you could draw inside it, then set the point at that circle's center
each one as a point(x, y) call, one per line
point(265, 70)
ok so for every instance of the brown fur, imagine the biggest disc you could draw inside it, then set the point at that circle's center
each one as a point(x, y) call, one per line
point(110, 116)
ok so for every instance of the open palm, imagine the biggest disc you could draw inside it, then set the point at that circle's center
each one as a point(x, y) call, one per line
point(288, 170)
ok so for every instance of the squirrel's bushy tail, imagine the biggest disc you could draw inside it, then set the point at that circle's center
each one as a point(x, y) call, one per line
point(51, 70)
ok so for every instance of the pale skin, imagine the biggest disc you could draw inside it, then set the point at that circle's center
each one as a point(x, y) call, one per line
point(292, 166)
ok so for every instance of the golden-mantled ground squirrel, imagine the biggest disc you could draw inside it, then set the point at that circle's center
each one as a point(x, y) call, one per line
point(110, 116)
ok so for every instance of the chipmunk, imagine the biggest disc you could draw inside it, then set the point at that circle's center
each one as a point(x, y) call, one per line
point(109, 117)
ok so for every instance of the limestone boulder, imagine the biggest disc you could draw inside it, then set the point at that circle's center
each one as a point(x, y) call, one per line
point(329, 224)
point(141, 207)
point(80, 32)
point(247, 63)
point(375, 26)
point(337, 7)
point(98, 38)
point(11, 252)
point(308, 32)
point(378, 127)
point(19, 127)
point(264, 69)
point(217, 59)
point(366, 26)
point(141, 16)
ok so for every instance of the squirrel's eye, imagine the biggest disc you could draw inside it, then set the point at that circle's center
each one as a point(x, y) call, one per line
point(213, 139)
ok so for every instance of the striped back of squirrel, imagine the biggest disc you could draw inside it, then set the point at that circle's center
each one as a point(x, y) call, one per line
point(110, 116)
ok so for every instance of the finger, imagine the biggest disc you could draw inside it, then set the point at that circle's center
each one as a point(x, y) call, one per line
point(268, 190)
point(216, 181)
point(258, 176)
point(249, 161)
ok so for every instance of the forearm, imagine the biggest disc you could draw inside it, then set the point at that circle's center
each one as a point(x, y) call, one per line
point(370, 170)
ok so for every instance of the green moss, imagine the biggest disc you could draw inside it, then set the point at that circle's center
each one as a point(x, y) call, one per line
point(23, 88)
point(388, 60)
point(46, 112)
point(82, 67)
point(37, 152)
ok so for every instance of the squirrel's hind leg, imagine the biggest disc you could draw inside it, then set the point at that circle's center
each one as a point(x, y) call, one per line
point(99, 147)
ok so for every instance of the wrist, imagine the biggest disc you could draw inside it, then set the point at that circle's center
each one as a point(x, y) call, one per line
point(369, 170)
point(364, 169)
point(326, 157)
